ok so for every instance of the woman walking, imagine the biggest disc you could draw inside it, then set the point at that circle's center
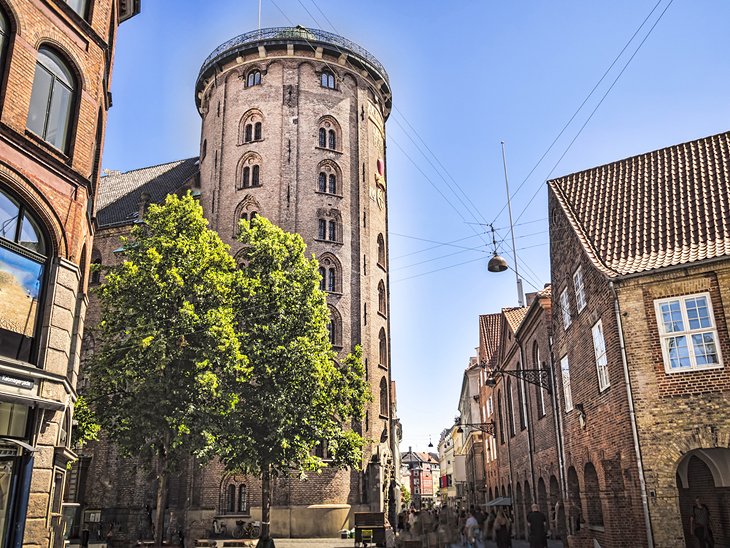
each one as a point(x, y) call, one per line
point(502, 530)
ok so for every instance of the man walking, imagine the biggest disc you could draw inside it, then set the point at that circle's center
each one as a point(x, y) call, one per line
point(537, 523)
point(699, 524)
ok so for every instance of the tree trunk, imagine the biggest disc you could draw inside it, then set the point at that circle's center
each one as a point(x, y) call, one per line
point(162, 476)
point(266, 502)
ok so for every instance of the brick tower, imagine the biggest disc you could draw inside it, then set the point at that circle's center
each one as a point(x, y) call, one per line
point(293, 128)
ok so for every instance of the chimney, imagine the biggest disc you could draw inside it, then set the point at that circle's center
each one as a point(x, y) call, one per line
point(142, 205)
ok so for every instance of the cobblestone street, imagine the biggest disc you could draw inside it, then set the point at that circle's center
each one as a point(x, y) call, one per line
point(339, 543)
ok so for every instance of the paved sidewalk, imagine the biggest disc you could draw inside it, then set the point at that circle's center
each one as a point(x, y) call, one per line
point(339, 543)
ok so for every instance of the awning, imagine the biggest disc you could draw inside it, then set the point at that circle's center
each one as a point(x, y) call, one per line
point(500, 501)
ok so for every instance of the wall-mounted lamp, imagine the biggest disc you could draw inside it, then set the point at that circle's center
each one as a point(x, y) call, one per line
point(539, 377)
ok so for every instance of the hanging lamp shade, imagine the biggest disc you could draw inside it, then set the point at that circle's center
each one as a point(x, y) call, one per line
point(497, 263)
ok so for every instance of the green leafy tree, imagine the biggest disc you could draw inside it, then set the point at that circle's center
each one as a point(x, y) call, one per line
point(405, 496)
point(86, 427)
point(168, 349)
point(298, 396)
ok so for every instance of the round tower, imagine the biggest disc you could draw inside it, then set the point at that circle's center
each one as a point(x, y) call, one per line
point(294, 129)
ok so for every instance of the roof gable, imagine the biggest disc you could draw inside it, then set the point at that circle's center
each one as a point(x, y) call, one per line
point(663, 208)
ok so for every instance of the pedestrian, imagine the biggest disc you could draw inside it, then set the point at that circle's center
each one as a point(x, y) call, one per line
point(471, 526)
point(699, 524)
point(537, 528)
point(502, 530)
point(489, 528)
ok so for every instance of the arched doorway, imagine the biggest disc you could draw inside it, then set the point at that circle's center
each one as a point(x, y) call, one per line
point(705, 473)
point(557, 508)
point(575, 507)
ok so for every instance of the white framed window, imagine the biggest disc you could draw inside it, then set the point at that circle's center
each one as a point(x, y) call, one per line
point(688, 333)
point(580, 290)
point(567, 393)
point(599, 348)
point(565, 308)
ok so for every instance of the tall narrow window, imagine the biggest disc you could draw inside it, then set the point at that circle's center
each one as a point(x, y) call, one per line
point(382, 305)
point(242, 499)
point(322, 233)
point(51, 99)
point(599, 347)
point(333, 184)
point(539, 389)
point(510, 409)
point(231, 498)
point(322, 277)
point(332, 280)
point(383, 397)
point(500, 417)
point(257, 131)
point(249, 133)
point(567, 392)
point(331, 330)
point(332, 139)
point(382, 348)
point(521, 399)
point(333, 231)
point(565, 309)
point(322, 137)
point(322, 182)
point(580, 290)
point(255, 176)
point(22, 276)
point(381, 250)
point(246, 177)
point(4, 37)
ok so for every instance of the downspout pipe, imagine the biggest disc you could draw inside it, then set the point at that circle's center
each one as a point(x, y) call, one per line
point(632, 414)
point(526, 409)
point(557, 417)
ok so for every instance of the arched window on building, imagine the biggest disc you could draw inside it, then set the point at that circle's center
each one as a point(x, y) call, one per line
point(231, 498)
point(322, 187)
point(510, 409)
point(332, 232)
point(248, 137)
point(251, 126)
point(322, 230)
point(329, 172)
point(52, 99)
point(382, 348)
point(23, 264)
point(332, 139)
point(329, 269)
point(331, 280)
point(253, 78)
point(322, 137)
point(521, 400)
point(322, 277)
point(329, 133)
point(500, 417)
point(382, 304)
point(383, 397)
point(328, 80)
point(333, 184)
point(381, 250)
point(257, 131)
point(334, 327)
point(249, 171)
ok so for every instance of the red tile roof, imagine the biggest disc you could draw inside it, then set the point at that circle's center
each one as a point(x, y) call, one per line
point(488, 337)
point(663, 208)
point(514, 316)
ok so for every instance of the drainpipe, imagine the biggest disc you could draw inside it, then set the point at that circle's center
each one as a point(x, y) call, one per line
point(632, 414)
point(530, 441)
point(557, 417)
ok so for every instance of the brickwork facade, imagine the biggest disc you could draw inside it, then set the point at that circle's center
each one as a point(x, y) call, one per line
point(50, 174)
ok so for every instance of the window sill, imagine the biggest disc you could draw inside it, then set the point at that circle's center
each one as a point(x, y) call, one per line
point(328, 149)
point(328, 194)
point(251, 142)
point(599, 528)
point(692, 369)
point(57, 152)
point(333, 242)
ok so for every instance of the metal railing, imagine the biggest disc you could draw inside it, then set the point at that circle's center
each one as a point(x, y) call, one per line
point(285, 34)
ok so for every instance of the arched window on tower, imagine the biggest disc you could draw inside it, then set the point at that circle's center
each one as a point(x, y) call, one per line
point(332, 231)
point(382, 349)
point(255, 176)
point(322, 277)
point(249, 171)
point(332, 139)
point(231, 499)
point(381, 251)
point(382, 304)
point(383, 397)
point(333, 183)
point(322, 182)
point(248, 133)
point(334, 327)
point(331, 279)
point(322, 137)
point(322, 232)
point(257, 131)
point(254, 78)
point(328, 80)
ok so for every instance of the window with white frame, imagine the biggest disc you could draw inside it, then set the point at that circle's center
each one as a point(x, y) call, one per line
point(599, 347)
point(580, 290)
point(567, 393)
point(688, 333)
point(565, 308)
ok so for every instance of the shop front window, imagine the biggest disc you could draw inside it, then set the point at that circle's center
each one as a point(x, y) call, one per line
point(22, 274)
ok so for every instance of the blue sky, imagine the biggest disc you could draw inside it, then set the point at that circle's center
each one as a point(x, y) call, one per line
point(465, 76)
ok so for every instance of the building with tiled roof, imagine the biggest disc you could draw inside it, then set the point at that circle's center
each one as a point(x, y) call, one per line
point(641, 282)
point(489, 327)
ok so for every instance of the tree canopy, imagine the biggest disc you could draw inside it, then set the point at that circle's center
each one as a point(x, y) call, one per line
point(169, 352)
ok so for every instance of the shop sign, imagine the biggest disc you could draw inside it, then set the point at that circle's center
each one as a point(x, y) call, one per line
point(26, 384)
